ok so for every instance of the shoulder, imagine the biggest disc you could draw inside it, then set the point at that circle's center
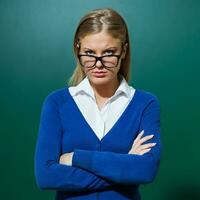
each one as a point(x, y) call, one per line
point(57, 96)
point(146, 98)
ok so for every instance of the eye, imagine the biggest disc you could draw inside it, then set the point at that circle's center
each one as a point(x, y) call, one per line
point(89, 52)
point(109, 52)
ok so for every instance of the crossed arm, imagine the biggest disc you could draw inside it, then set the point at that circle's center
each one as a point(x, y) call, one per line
point(138, 148)
point(85, 172)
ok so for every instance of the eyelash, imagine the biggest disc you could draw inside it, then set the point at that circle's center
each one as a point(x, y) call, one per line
point(89, 52)
point(109, 52)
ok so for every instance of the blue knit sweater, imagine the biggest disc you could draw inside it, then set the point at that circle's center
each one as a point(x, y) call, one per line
point(101, 169)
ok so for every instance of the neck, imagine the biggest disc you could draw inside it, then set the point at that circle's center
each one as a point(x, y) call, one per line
point(106, 90)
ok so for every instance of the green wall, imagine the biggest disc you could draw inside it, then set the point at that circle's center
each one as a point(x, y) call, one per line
point(36, 58)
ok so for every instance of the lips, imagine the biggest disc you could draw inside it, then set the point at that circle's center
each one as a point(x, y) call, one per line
point(99, 74)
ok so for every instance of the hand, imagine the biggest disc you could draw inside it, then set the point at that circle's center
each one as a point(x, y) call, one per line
point(66, 159)
point(138, 148)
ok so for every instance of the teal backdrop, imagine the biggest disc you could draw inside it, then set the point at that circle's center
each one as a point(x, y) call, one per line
point(36, 58)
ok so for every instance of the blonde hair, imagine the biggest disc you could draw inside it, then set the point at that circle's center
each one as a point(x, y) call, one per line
point(94, 22)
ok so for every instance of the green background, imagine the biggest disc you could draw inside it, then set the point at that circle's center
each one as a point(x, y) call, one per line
point(36, 58)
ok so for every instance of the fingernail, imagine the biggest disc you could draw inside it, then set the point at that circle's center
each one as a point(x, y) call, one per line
point(154, 143)
point(142, 132)
point(149, 149)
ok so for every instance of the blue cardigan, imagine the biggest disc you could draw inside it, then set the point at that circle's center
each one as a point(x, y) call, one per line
point(101, 169)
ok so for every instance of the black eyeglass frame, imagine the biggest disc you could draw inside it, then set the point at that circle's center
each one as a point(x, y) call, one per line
point(100, 59)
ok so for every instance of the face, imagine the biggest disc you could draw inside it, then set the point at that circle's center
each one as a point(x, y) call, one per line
point(101, 44)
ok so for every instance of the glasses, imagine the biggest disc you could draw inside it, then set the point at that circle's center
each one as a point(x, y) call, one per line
point(108, 61)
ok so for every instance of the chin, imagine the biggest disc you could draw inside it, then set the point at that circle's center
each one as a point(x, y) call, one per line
point(100, 81)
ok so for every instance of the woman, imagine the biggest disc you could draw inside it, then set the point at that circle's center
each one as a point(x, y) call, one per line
point(100, 137)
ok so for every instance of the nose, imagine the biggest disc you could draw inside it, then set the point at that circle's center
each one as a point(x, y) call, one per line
point(99, 64)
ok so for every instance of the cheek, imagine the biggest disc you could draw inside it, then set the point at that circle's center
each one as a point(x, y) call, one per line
point(86, 70)
point(117, 68)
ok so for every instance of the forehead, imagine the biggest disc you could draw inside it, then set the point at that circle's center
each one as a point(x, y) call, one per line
point(99, 40)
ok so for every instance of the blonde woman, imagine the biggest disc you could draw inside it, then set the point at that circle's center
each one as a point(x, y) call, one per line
point(99, 138)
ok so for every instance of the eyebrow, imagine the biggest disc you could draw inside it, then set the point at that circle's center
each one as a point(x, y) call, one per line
point(109, 48)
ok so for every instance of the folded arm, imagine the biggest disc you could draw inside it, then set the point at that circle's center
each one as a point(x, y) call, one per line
point(48, 172)
point(127, 168)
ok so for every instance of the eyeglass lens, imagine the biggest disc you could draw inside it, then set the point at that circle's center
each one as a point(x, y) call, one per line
point(107, 61)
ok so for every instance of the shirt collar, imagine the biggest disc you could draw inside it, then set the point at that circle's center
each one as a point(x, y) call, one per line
point(123, 87)
point(85, 87)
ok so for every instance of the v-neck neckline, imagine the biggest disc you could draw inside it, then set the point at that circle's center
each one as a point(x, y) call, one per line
point(114, 125)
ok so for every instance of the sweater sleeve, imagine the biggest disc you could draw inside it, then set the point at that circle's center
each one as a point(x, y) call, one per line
point(127, 168)
point(48, 172)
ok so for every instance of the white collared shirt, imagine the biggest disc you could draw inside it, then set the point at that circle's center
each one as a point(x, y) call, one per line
point(101, 121)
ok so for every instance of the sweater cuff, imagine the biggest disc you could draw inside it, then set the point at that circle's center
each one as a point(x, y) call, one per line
point(82, 158)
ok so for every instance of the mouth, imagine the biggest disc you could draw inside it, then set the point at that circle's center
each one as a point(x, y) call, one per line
point(99, 74)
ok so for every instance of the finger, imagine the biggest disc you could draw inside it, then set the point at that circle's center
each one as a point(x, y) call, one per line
point(138, 137)
point(138, 148)
point(146, 146)
point(139, 152)
point(144, 151)
point(141, 141)
point(146, 138)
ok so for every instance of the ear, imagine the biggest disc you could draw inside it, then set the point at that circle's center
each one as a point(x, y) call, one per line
point(125, 46)
point(78, 43)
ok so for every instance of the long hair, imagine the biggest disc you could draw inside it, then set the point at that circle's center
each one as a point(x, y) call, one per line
point(94, 22)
